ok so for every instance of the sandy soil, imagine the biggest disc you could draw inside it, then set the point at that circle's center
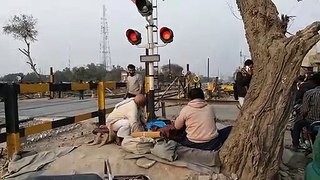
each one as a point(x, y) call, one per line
point(90, 159)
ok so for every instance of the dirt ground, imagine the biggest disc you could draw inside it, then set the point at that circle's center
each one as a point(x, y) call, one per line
point(86, 159)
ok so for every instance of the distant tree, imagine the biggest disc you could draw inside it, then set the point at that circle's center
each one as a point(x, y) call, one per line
point(63, 76)
point(23, 27)
point(33, 77)
point(80, 73)
point(114, 74)
point(15, 77)
point(96, 71)
point(174, 70)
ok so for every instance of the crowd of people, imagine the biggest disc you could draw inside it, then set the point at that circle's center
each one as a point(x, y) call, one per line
point(195, 126)
point(308, 98)
point(196, 123)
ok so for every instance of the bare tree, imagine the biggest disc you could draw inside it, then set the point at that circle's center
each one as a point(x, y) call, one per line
point(23, 27)
point(255, 145)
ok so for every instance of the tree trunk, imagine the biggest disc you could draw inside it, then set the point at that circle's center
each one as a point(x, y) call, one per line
point(254, 147)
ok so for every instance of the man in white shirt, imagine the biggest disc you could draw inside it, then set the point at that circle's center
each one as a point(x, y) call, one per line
point(134, 82)
point(127, 117)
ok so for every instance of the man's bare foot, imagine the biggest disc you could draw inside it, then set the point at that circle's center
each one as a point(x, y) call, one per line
point(97, 140)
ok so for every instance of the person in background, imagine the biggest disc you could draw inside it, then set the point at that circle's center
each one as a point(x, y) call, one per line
point(81, 92)
point(235, 91)
point(310, 112)
point(243, 79)
point(134, 82)
point(307, 84)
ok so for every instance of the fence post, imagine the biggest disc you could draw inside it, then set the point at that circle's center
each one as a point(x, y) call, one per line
point(163, 108)
point(12, 119)
point(51, 81)
point(101, 104)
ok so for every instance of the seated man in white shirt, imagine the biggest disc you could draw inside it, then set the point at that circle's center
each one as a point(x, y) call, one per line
point(127, 117)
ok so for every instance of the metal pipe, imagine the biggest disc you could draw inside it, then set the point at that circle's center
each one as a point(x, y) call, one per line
point(101, 104)
point(208, 70)
point(168, 88)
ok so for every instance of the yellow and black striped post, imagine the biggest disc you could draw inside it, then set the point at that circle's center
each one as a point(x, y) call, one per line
point(149, 89)
point(51, 80)
point(101, 104)
point(12, 119)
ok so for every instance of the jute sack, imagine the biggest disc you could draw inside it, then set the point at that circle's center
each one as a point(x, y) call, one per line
point(138, 145)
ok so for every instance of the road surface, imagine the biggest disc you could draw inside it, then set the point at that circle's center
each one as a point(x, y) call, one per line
point(37, 108)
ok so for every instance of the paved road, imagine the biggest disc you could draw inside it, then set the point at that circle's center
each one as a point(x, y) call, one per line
point(56, 107)
point(42, 108)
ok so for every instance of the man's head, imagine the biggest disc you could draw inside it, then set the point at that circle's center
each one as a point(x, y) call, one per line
point(316, 78)
point(248, 63)
point(196, 93)
point(140, 100)
point(131, 70)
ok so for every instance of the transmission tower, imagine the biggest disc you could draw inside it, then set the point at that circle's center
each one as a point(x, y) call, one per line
point(104, 45)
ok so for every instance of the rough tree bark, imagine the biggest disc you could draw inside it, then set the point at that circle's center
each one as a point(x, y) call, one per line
point(254, 148)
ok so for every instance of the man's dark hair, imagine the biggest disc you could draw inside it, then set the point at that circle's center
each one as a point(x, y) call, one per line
point(131, 66)
point(248, 62)
point(196, 93)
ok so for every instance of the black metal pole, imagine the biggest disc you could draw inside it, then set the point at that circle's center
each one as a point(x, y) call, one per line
point(12, 118)
point(149, 94)
point(188, 84)
point(208, 70)
point(51, 80)
point(169, 69)
point(163, 108)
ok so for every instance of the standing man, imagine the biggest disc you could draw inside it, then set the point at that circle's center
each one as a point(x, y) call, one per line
point(243, 79)
point(235, 92)
point(81, 92)
point(134, 82)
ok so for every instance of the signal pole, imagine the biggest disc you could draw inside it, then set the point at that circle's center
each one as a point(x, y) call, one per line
point(208, 70)
point(149, 79)
point(145, 8)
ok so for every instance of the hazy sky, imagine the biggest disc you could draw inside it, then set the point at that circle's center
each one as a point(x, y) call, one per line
point(71, 28)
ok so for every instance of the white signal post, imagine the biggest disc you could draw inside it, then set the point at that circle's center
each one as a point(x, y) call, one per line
point(145, 8)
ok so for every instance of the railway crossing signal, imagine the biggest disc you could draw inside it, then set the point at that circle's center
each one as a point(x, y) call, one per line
point(134, 37)
point(166, 35)
point(144, 7)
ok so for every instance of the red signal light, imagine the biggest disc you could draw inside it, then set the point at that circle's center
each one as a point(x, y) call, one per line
point(166, 35)
point(133, 36)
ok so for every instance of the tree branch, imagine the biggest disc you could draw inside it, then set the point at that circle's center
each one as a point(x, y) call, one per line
point(310, 31)
point(23, 52)
point(308, 37)
point(261, 17)
point(232, 11)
